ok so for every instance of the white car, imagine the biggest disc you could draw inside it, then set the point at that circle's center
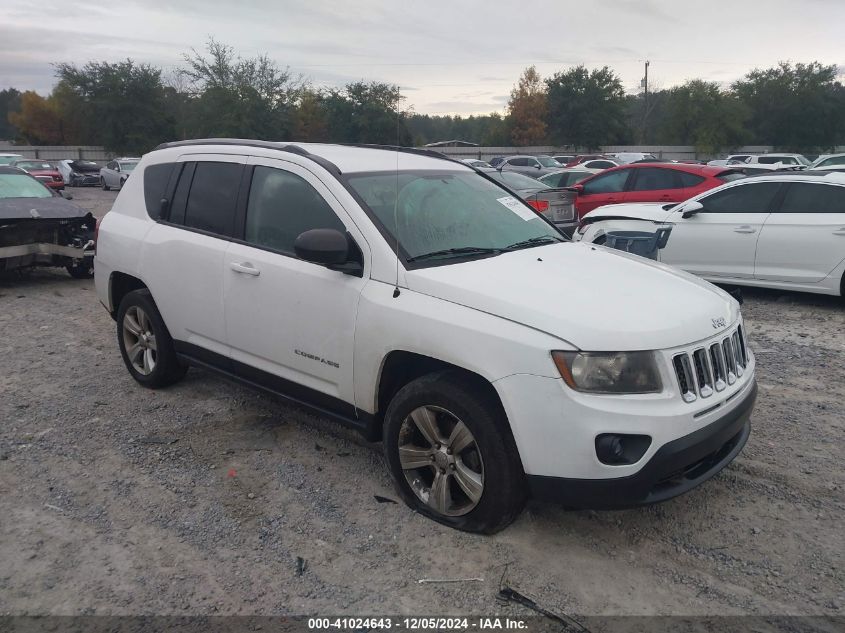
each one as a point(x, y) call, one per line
point(79, 173)
point(8, 159)
point(116, 172)
point(784, 230)
point(625, 158)
point(474, 162)
point(828, 162)
point(416, 300)
point(600, 164)
point(784, 160)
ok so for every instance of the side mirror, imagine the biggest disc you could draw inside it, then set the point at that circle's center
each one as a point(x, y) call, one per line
point(579, 188)
point(328, 247)
point(536, 166)
point(117, 167)
point(691, 208)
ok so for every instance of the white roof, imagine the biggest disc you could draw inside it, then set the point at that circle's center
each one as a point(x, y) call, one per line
point(837, 177)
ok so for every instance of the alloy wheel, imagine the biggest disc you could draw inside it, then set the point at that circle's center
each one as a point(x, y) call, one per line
point(139, 340)
point(441, 461)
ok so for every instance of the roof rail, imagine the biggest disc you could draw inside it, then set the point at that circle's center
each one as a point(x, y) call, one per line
point(282, 147)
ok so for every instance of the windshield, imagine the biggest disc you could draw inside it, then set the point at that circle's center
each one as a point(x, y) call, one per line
point(803, 160)
point(127, 166)
point(515, 180)
point(7, 160)
point(27, 165)
point(439, 211)
point(548, 161)
point(21, 186)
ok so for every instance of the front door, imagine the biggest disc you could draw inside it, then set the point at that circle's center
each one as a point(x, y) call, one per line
point(720, 240)
point(292, 320)
point(606, 188)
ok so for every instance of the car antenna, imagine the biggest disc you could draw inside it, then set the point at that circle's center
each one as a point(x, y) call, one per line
point(396, 291)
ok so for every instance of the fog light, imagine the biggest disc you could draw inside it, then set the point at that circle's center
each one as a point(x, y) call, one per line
point(618, 449)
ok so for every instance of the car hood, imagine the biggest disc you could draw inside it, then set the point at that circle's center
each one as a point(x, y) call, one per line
point(640, 210)
point(595, 298)
point(52, 208)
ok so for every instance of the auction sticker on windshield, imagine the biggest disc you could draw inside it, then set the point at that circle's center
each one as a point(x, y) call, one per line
point(517, 207)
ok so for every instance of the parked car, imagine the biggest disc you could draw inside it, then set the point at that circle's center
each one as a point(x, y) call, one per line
point(529, 165)
point(497, 160)
point(563, 159)
point(567, 176)
point(8, 159)
point(488, 369)
point(649, 182)
point(828, 161)
point(43, 171)
point(79, 173)
point(116, 172)
point(726, 162)
point(785, 230)
point(599, 163)
point(582, 158)
point(557, 207)
point(632, 157)
point(474, 162)
point(38, 227)
point(785, 160)
point(743, 158)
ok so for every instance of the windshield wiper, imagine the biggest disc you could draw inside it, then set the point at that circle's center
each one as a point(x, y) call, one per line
point(540, 240)
point(463, 250)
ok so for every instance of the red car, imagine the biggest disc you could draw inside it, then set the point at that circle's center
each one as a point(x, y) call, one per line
point(649, 182)
point(42, 171)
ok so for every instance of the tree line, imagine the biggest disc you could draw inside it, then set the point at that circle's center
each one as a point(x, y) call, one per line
point(130, 107)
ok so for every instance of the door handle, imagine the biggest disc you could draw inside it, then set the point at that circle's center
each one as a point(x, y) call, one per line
point(245, 267)
point(744, 229)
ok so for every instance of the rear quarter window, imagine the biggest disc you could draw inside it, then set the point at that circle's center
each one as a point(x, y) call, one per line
point(156, 178)
point(690, 180)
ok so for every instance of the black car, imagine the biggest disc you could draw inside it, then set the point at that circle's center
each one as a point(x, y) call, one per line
point(84, 173)
point(39, 227)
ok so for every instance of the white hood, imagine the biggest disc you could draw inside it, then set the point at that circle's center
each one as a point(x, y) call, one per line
point(634, 210)
point(595, 298)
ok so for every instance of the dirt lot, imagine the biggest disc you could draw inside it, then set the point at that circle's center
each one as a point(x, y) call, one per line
point(199, 499)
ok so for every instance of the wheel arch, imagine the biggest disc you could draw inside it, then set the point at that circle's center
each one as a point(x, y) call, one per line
point(121, 284)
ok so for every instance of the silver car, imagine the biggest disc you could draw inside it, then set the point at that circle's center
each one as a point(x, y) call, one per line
point(115, 173)
point(534, 166)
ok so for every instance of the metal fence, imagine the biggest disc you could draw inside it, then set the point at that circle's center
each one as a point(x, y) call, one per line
point(58, 152)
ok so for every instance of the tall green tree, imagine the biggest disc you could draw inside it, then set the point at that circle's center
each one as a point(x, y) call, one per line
point(10, 101)
point(124, 103)
point(586, 108)
point(796, 107)
point(699, 113)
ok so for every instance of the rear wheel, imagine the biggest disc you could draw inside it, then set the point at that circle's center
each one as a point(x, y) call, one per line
point(82, 270)
point(103, 184)
point(145, 343)
point(451, 454)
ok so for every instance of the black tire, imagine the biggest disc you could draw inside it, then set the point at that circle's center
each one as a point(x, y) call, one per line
point(168, 369)
point(85, 270)
point(122, 183)
point(104, 185)
point(456, 394)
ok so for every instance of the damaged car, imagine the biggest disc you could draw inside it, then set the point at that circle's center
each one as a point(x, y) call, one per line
point(39, 227)
point(80, 173)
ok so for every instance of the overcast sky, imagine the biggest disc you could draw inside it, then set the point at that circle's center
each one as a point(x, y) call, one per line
point(458, 56)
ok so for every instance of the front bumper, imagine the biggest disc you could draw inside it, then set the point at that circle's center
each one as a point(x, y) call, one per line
point(677, 467)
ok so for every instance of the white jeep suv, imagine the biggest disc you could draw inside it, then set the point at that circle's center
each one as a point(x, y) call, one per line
point(421, 302)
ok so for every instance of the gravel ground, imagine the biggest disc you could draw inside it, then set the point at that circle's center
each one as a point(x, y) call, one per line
point(207, 498)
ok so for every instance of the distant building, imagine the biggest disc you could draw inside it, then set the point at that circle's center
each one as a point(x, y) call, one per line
point(454, 143)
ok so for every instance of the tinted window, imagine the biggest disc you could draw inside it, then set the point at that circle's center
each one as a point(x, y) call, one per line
point(156, 178)
point(651, 179)
point(554, 180)
point(522, 162)
point(213, 197)
point(599, 164)
point(607, 183)
point(771, 160)
point(836, 160)
point(281, 207)
point(755, 198)
point(813, 198)
point(518, 181)
point(689, 180)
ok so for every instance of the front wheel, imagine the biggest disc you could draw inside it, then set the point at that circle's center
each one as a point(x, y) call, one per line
point(451, 454)
point(145, 344)
point(82, 270)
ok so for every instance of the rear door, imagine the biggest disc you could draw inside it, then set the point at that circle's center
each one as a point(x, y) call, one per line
point(720, 240)
point(655, 184)
point(183, 252)
point(606, 188)
point(803, 240)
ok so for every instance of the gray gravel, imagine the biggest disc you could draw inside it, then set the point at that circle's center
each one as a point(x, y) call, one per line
point(199, 499)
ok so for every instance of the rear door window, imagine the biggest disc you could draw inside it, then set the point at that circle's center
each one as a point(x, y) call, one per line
point(206, 197)
point(813, 198)
point(612, 182)
point(653, 179)
point(750, 198)
point(689, 180)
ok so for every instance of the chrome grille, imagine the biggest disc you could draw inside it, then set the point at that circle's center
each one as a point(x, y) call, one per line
point(706, 370)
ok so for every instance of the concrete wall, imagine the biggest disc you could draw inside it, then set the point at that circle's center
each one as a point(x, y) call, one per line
point(58, 152)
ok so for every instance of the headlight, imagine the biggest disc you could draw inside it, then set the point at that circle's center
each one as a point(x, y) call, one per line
point(609, 372)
